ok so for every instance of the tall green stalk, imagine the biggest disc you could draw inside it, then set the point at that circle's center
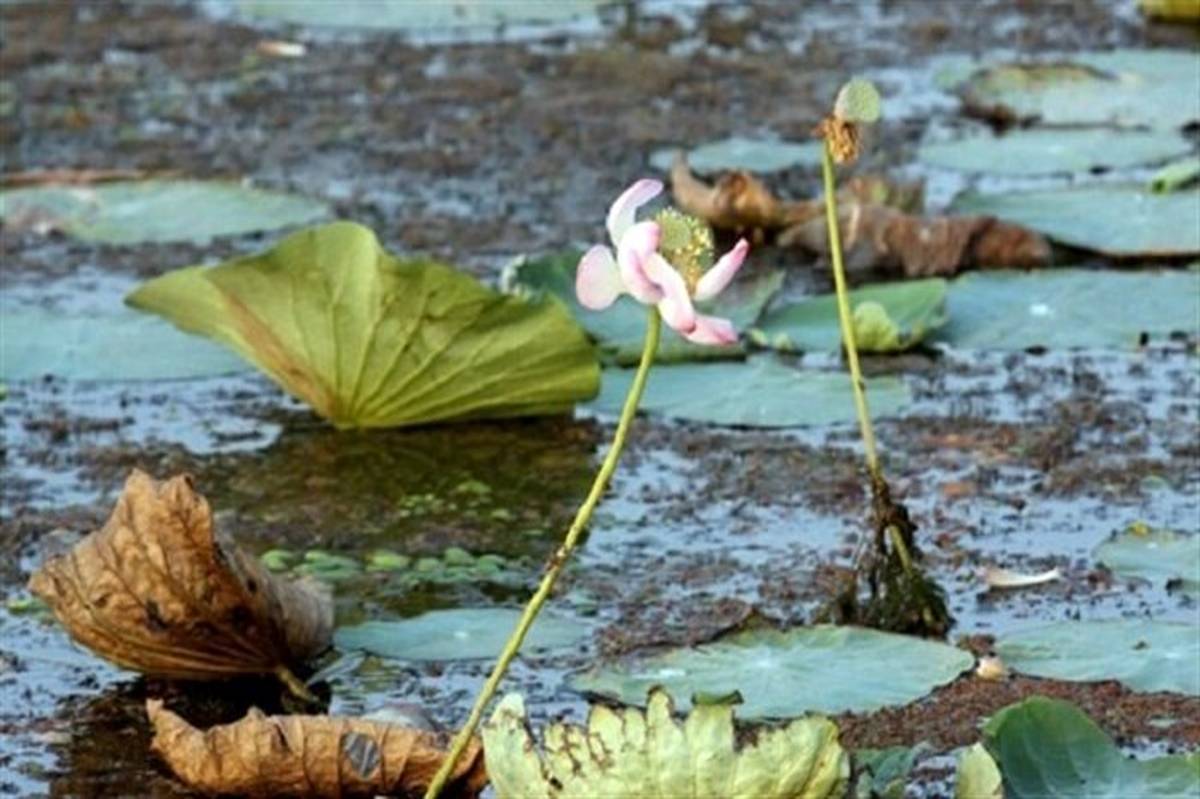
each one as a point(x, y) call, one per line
point(558, 561)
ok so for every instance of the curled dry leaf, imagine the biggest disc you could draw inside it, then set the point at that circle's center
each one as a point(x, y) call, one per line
point(309, 756)
point(1004, 578)
point(880, 223)
point(157, 590)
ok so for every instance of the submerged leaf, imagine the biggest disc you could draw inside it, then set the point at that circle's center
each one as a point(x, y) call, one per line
point(1123, 221)
point(316, 757)
point(133, 212)
point(1048, 747)
point(369, 340)
point(630, 754)
point(759, 393)
point(619, 329)
point(1144, 654)
point(159, 591)
point(977, 776)
point(913, 309)
point(780, 674)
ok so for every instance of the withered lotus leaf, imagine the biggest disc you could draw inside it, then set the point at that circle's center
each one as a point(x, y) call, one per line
point(157, 590)
point(309, 756)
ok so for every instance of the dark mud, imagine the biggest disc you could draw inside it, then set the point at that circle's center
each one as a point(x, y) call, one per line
point(479, 151)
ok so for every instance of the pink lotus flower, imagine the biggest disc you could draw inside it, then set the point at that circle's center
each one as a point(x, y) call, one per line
point(641, 270)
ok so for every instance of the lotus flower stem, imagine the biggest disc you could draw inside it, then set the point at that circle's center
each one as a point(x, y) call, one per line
point(847, 324)
point(558, 561)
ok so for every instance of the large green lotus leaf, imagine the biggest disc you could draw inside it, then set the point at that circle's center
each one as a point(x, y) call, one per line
point(109, 345)
point(1040, 151)
point(1128, 88)
point(915, 307)
point(762, 156)
point(460, 634)
point(762, 392)
point(1144, 654)
point(977, 776)
point(630, 754)
point(620, 329)
point(1048, 747)
point(1069, 308)
point(781, 674)
point(1122, 220)
point(759, 392)
point(134, 212)
point(416, 15)
point(1159, 556)
point(369, 340)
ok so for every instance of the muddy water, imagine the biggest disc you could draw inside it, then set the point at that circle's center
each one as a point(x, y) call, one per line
point(478, 149)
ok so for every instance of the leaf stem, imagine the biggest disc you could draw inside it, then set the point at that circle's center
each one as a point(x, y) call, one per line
point(847, 321)
point(558, 561)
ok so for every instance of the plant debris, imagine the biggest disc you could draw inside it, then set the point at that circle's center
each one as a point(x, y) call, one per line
point(308, 756)
point(159, 591)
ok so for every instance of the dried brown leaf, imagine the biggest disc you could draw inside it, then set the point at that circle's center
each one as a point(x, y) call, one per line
point(157, 590)
point(737, 201)
point(309, 756)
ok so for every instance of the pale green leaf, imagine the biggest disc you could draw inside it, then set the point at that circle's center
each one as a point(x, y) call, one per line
point(369, 340)
point(761, 156)
point(1040, 151)
point(977, 776)
point(1159, 556)
point(631, 754)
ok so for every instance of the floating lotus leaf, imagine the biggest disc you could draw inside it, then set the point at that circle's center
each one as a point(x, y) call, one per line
point(1121, 220)
point(761, 156)
point(1128, 88)
point(1070, 308)
point(1159, 556)
point(415, 17)
point(461, 634)
point(620, 329)
point(1048, 747)
point(133, 212)
point(761, 392)
point(1144, 654)
point(977, 776)
point(369, 340)
point(782, 674)
point(1041, 151)
point(913, 307)
point(630, 754)
point(107, 345)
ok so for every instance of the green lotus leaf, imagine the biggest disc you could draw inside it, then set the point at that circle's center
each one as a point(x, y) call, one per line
point(417, 17)
point(1144, 654)
point(1160, 556)
point(1042, 151)
point(133, 212)
point(459, 634)
point(761, 156)
point(620, 329)
point(911, 309)
point(1126, 88)
point(628, 753)
point(782, 674)
point(762, 392)
point(1070, 308)
point(1048, 747)
point(369, 340)
point(1121, 220)
point(977, 776)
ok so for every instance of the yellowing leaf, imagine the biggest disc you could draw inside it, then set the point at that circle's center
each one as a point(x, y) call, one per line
point(977, 776)
point(369, 340)
point(309, 756)
point(631, 753)
point(157, 590)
